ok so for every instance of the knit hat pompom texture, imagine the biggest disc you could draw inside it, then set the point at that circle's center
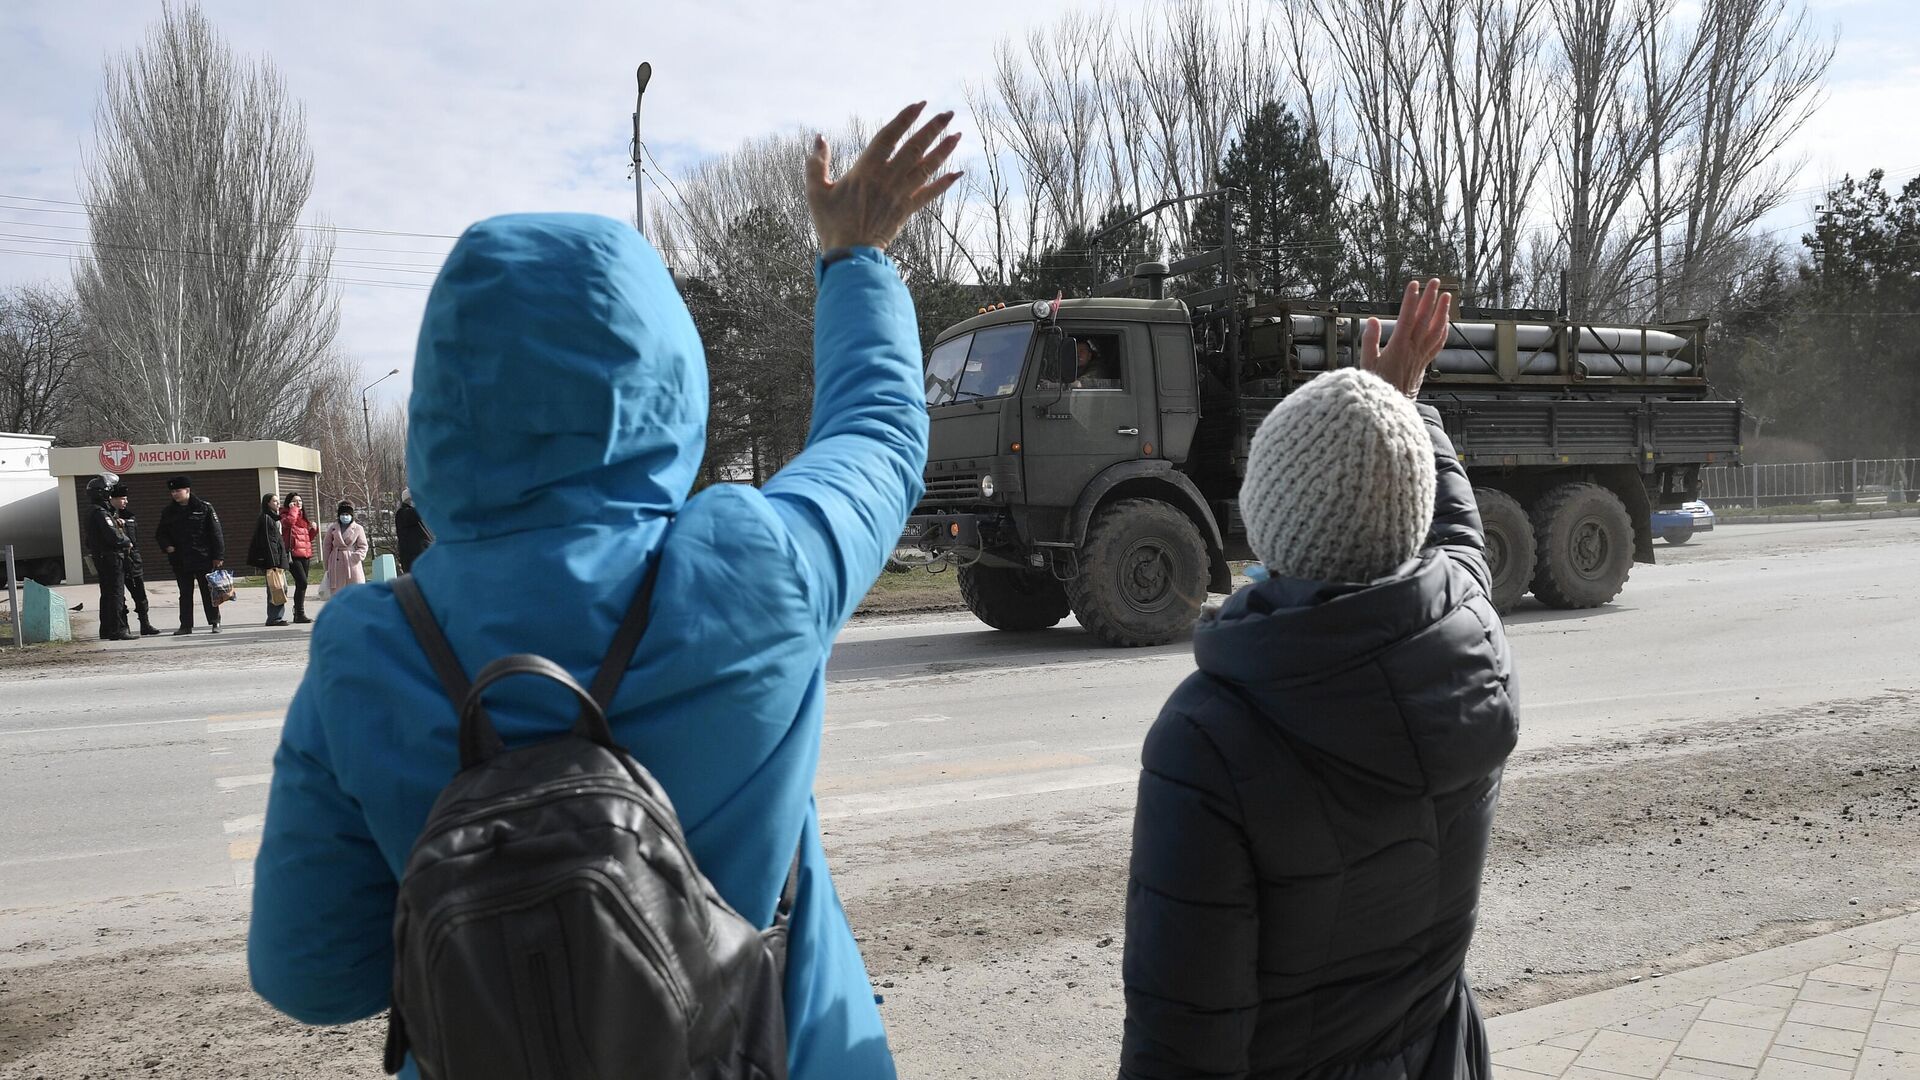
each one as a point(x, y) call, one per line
point(1340, 481)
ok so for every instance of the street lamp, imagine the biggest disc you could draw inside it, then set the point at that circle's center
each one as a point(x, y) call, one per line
point(366, 413)
point(642, 76)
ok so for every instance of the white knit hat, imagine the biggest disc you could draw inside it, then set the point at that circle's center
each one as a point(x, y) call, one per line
point(1339, 483)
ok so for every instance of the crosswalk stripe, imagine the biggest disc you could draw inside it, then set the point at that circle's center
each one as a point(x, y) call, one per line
point(228, 783)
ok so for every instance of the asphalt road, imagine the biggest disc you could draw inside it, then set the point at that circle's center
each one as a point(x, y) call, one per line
point(976, 790)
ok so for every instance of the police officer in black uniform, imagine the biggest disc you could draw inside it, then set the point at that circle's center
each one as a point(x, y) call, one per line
point(107, 542)
point(190, 534)
point(131, 565)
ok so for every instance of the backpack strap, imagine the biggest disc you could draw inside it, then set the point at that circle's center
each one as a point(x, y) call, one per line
point(633, 627)
point(775, 936)
point(478, 741)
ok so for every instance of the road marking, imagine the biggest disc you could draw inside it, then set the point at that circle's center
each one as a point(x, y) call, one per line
point(224, 726)
point(228, 783)
point(98, 727)
point(248, 823)
point(873, 725)
point(256, 714)
point(106, 853)
point(966, 791)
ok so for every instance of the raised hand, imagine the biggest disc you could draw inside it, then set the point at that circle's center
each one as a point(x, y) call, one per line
point(888, 183)
point(1418, 335)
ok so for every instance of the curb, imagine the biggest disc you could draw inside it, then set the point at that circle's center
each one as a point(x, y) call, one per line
point(1605, 1008)
point(1799, 519)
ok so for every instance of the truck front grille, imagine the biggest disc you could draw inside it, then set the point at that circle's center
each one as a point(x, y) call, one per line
point(952, 489)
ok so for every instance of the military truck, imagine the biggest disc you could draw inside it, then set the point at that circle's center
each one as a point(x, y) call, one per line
point(1087, 453)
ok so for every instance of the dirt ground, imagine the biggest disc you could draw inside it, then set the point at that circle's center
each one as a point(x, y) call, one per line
point(997, 949)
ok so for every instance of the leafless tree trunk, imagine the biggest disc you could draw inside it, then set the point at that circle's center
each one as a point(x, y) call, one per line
point(43, 347)
point(209, 303)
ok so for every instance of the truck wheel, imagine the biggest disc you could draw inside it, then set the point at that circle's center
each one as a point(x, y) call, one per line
point(1143, 574)
point(1676, 537)
point(1584, 546)
point(1510, 546)
point(1009, 599)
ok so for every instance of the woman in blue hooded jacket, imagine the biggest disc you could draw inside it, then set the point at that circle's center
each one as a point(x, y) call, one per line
point(557, 420)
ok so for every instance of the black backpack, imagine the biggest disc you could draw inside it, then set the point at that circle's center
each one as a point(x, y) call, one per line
point(551, 922)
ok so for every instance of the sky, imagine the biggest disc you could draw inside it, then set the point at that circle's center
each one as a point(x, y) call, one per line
point(425, 117)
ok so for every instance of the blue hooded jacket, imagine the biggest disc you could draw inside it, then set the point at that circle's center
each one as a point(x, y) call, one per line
point(558, 419)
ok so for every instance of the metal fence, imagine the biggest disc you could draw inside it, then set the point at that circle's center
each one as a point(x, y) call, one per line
point(1867, 481)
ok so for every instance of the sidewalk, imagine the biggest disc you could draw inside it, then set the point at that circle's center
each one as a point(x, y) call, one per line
point(1834, 1007)
point(245, 613)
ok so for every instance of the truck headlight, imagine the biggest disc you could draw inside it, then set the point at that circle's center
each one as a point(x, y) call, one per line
point(986, 487)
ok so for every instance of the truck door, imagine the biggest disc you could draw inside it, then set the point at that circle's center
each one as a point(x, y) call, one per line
point(1106, 416)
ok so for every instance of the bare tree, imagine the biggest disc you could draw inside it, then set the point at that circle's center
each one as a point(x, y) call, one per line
point(209, 302)
point(1760, 67)
point(43, 346)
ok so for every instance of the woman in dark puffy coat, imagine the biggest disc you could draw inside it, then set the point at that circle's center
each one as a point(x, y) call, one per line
point(1317, 799)
point(268, 552)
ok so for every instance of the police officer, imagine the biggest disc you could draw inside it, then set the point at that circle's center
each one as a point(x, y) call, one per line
point(107, 542)
point(190, 534)
point(131, 565)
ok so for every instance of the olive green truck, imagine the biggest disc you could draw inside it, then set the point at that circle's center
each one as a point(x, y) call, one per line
point(1086, 454)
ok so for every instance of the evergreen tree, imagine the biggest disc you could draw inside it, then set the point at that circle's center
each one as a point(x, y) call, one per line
point(1286, 218)
point(1073, 267)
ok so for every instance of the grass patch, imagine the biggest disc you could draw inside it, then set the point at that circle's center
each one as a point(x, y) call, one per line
point(915, 590)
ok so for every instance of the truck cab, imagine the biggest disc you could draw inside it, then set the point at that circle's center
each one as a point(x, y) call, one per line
point(1043, 414)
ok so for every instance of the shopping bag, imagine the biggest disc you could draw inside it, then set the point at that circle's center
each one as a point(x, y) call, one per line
point(276, 586)
point(221, 583)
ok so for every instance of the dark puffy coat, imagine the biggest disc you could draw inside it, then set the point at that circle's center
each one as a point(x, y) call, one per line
point(412, 535)
point(193, 531)
point(131, 559)
point(269, 548)
point(1313, 817)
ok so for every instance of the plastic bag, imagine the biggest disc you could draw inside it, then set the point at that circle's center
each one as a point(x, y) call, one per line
point(221, 584)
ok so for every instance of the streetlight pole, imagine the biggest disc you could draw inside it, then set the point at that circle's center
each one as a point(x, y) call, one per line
point(366, 413)
point(642, 76)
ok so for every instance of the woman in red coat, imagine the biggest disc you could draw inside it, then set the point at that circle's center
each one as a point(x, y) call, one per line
point(298, 532)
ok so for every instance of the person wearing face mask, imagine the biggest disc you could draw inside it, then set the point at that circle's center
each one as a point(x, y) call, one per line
point(344, 549)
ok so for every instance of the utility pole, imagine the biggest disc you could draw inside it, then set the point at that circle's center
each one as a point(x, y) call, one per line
point(642, 77)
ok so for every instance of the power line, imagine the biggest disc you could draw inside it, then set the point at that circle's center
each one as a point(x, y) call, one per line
point(88, 208)
point(122, 261)
point(336, 247)
point(805, 320)
point(388, 268)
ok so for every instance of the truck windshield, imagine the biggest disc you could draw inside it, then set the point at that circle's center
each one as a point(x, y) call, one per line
point(984, 364)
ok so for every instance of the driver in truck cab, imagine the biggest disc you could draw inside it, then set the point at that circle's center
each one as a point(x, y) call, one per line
point(1095, 372)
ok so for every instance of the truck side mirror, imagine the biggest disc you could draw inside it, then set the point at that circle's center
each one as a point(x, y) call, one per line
point(1063, 358)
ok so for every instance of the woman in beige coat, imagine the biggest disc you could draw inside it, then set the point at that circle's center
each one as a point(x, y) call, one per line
point(345, 548)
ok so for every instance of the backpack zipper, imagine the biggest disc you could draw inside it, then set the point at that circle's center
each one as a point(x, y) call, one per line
point(552, 791)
